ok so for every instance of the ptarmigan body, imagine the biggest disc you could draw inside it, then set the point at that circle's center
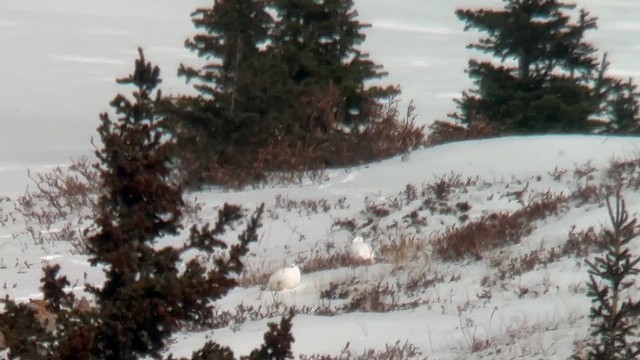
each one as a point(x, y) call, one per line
point(359, 250)
point(285, 278)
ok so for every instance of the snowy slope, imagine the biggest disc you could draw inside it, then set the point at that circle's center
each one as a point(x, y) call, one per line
point(447, 309)
point(453, 317)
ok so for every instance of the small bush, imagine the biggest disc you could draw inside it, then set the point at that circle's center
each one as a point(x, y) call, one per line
point(584, 242)
point(62, 205)
point(397, 351)
point(494, 230)
point(318, 262)
point(442, 132)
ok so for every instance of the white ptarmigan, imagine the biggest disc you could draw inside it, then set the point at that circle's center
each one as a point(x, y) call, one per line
point(285, 278)
point(359, 250)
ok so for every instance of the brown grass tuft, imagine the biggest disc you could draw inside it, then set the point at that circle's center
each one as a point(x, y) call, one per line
point(442, 132)
point(391, 352)
point(495, 230)
point(321, 142)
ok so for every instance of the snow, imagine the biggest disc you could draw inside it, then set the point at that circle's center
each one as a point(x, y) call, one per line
point(58, 62)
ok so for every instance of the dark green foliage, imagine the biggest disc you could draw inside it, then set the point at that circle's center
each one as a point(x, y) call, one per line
point(613, 314)
point(140, 204)
point(318, 43)
point(212, 351)
point(53, 289)
point(232, 32)
point(24, 335)
point(277, 93)
point(236, 82)
point(277, 342)
point(623, 107)
point(277, 345)
point(554, 84)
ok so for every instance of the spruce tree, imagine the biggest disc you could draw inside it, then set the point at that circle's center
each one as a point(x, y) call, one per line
point(147, 295)
point(237, 79)
point(139, 205)
point(231, 33)
point(623, 107)
point(614, 314)
point(547, 79)
point(318, 42)
point(281, 93)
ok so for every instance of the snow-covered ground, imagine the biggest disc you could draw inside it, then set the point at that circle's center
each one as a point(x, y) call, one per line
point(57, 65)
point(460, 309)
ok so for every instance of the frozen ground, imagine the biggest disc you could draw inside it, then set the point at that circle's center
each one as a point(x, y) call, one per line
point(58, 61)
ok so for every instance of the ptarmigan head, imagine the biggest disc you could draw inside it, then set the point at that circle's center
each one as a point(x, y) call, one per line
point(285, 278)
point(359, 250)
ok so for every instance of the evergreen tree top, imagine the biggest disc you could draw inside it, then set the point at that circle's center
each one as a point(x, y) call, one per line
point(538, 33)
point(329, 27)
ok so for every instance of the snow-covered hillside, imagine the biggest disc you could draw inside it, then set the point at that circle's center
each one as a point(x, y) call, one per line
point(456, 305)
point(500, 305)
point(58, 61)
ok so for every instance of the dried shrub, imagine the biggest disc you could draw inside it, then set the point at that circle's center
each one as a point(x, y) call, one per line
point(349, 224)
point(375, 210)
point(308, 206)
point(322, 141)
point(557, 174)
point(587, 194)
point(463, 206)
point(585, 171)
point(415, 220)
point(387, 136)
point(625, 172)
point(252, 276)
point(242, 313)
point(403, 249)
point(584, 242)
point(379, 298)
point(335, 291)
point(62, 205)
point(579, 243)
point(444, 185)
point(494, 230)
point(6, 215)
point(516, 266)
point(318, 262)
point(418, 282)
point(442, 132)
point(472, 342)
point(398, 351)
point(478, 236)
point(410, 193)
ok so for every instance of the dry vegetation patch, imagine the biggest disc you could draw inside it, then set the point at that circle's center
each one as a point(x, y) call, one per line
point(62, 204)
point(397, 351)
point(495, 230)
point(319, 262)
